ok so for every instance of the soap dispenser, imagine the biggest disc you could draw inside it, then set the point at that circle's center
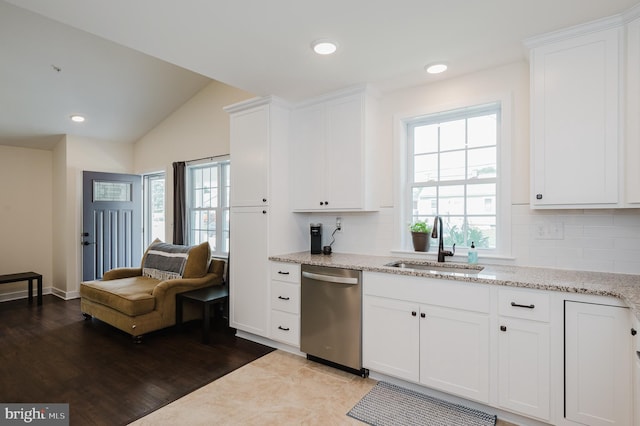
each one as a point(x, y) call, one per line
point(472, 254)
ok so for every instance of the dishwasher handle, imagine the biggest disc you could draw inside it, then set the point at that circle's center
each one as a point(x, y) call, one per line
point(330, 278)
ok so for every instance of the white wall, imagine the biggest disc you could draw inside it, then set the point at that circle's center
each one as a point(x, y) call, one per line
point(595, 240)
point(25, 216)
point(77, 154)
point(199, 128)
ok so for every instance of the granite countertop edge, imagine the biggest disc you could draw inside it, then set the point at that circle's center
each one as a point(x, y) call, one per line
point(622, 286)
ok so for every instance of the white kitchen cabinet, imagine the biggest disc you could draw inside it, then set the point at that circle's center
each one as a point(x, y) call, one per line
point(443, 344)
point(575, 119)
point(524, 352)
point(454, 351)
point(332, 154)
point(635, 354)
point(390, 337)
point(250, 134)
point(632, 136)
point(285, 303)
point(598, 365)
point(261, 221)
point(248, 270)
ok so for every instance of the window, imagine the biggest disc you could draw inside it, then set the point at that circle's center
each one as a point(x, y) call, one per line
point(154, 214)
point(208, 205)
point(453, 169)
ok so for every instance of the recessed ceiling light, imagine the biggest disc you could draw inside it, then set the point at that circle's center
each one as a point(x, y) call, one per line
point(324, 47)
point(77, 118)
point(436, 68)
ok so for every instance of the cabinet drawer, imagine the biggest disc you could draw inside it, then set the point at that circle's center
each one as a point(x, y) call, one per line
point(526, 304)
point(288, 272)
point(285, 327)
point(285, 297)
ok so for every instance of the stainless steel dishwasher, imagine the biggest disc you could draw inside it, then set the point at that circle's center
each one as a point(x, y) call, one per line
point(331, 317)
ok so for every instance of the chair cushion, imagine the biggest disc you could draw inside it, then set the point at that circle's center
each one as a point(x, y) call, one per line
point(131, 296)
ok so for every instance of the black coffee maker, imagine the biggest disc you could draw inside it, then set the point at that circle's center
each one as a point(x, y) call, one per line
point(316, 238)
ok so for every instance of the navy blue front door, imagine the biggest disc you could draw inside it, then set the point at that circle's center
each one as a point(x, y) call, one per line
point(112, 223)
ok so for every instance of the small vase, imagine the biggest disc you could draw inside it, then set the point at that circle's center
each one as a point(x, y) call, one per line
point(420, 241)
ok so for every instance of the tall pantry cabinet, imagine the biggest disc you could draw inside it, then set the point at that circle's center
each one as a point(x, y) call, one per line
point(261, 221)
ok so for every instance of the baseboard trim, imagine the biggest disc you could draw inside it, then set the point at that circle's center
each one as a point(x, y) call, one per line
point(65, 295)
point(268, 342)
point(23, 294)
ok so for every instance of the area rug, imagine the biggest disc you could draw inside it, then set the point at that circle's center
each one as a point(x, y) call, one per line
point(388, 404)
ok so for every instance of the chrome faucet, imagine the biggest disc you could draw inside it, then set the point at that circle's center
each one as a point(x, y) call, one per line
point(441, 251)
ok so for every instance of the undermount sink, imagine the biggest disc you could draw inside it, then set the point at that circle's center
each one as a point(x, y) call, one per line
point(438, 268)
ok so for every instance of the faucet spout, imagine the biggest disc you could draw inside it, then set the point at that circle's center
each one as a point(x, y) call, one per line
point(441, 251)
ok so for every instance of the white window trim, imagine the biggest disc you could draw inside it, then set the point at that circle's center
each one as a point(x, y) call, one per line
point(402, 215)
point(193, 164)
point(146, 223)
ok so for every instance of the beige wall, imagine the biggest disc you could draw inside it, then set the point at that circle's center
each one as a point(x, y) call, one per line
point(199, 128)
point(25, 216)
point(73, 155)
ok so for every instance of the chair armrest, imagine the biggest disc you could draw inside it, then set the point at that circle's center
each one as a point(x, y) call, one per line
point(180, 285)
point(118, 273)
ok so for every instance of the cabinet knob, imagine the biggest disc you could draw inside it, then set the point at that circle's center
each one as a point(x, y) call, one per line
point(423, 315)
point(326, 203)
point(503, 328)
point(538, 196)
point(414, 313)
point(322, 203)
point(264, 200)
point(264, 212)
point(634, 331)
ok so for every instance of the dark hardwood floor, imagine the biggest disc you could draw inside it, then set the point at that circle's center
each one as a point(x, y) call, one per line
point(50, 354)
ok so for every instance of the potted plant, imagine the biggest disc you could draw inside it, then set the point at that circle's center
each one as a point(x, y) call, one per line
point(421, 235)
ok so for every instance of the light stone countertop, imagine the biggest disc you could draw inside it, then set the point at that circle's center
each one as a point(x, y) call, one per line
point(622, 286)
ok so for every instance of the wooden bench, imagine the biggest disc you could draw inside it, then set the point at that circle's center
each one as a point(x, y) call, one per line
point(25, 276)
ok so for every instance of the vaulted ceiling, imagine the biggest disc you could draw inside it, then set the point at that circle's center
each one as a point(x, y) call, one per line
point(128, 64)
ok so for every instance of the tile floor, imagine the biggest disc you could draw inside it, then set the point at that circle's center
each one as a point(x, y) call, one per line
point(277, 389)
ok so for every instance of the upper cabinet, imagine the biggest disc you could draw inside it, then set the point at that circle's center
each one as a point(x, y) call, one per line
point(575, 118)
point(332, 154)
point(632, 91)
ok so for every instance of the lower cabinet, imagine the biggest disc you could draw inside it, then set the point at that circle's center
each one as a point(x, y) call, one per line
point(454, 351)
point(598, 366)
point(390, 335)
point(285, 303)
point(635, 354)
point(441, 346)
point(524, 354)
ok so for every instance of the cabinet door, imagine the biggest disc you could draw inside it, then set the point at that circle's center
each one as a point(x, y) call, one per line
point(390, 337)
point(635, 354)
point(250, 157)
point(523, 367)
point(344, 153)
point(308, 158)
point(598, 389)
point(632, 137)
point(574, 121)
point(249, 270)
point(454, 351)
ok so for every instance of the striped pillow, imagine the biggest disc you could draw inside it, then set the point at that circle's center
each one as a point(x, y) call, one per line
point(164, 261)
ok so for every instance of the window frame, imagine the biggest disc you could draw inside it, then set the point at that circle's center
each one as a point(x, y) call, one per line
point(222, 209)
point(147, 210)
point(404, 199)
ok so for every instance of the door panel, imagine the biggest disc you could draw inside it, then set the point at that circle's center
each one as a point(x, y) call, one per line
point(112, 223)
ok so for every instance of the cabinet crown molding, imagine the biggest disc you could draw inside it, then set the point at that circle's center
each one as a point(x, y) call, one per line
point(255, 102)
point(351, 90)
point(615, 21)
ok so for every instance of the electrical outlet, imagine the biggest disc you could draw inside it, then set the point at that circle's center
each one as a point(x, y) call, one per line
point(549, 231)
point(339, 223)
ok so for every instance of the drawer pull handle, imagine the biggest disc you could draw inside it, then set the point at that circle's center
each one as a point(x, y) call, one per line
point(283, 328)
point(283, 298)
point(283, 273)
point(531, 306)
